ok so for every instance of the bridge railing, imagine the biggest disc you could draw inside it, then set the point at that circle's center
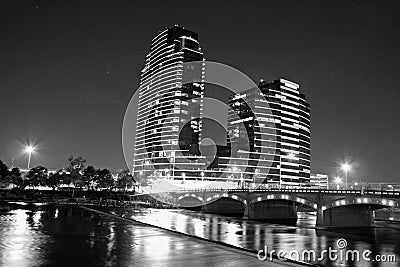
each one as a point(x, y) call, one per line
point(294, 190)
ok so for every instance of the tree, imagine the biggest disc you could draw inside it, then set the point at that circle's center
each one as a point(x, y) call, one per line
point(15, 177)
point(75, 178)
point(88, 177)
point(75, 168)
point(4, 173)
point(77, 163)
point(57, 178)
point(104, 179)
point(37, 176)
point(141, 179)
point(125, 180)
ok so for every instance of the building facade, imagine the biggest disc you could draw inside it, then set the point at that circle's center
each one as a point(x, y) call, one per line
point(268, 135)
point(275, 116)
point(319, 181)
point(166, 107)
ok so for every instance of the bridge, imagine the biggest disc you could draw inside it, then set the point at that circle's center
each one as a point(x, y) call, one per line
point(335, 208)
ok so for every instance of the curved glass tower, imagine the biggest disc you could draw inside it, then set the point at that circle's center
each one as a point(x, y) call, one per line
point(168, 128)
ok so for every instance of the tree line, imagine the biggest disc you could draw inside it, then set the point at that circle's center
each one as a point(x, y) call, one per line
point(75, 174)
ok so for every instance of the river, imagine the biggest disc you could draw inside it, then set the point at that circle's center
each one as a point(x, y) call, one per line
point(53, 235)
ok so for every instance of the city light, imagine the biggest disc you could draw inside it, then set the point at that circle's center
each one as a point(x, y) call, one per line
point(346, 168)
point(29, 149)
point(338, 181)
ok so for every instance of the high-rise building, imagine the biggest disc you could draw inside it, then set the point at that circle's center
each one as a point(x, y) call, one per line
point(281, 126)
point(319, 181)
point(167, 105)
point(268, 140)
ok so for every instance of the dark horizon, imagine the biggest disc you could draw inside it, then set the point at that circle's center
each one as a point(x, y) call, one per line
point(70, 70)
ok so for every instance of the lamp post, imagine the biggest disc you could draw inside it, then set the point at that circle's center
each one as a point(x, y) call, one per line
point(29, 150)
point(346, 167)
point(338, 180)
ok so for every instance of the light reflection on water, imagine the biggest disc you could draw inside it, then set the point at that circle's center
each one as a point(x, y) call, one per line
point(20, 244)
point(59, 236)
point(255, 235)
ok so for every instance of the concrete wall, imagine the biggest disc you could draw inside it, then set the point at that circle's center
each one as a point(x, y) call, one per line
point(347, 216)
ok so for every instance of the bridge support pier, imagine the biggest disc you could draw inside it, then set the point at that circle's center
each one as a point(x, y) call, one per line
point(272, 210)
point(346, 216)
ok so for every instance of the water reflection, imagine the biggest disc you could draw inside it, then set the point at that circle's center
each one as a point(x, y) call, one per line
point(60, 236)
point(254, 235)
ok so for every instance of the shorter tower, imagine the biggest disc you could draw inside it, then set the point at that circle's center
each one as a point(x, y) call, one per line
point(279, 133)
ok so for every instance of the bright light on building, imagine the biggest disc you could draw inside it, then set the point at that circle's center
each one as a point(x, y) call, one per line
point(292, 156)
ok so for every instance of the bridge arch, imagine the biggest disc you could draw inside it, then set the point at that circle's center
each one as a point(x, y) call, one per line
point(210, 198)
point(188, 195)
point(288, 197)
point(371, 201)
point(225, 195)
point(189, 200)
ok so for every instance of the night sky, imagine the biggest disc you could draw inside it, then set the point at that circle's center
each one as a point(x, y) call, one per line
point(69, 68)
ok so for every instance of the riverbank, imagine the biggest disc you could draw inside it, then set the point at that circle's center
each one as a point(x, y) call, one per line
point(249, 256)
point(45, 236)
point(87, 198)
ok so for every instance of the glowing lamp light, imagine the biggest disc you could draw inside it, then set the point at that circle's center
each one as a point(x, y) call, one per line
point(346, 167)
point(30, 149)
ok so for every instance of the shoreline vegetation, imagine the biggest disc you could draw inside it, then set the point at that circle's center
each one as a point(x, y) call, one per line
point(74, 176)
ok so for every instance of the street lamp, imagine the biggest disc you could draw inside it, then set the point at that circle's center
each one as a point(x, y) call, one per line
point(338, 180)
point(346, 167)
point(29, 150)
